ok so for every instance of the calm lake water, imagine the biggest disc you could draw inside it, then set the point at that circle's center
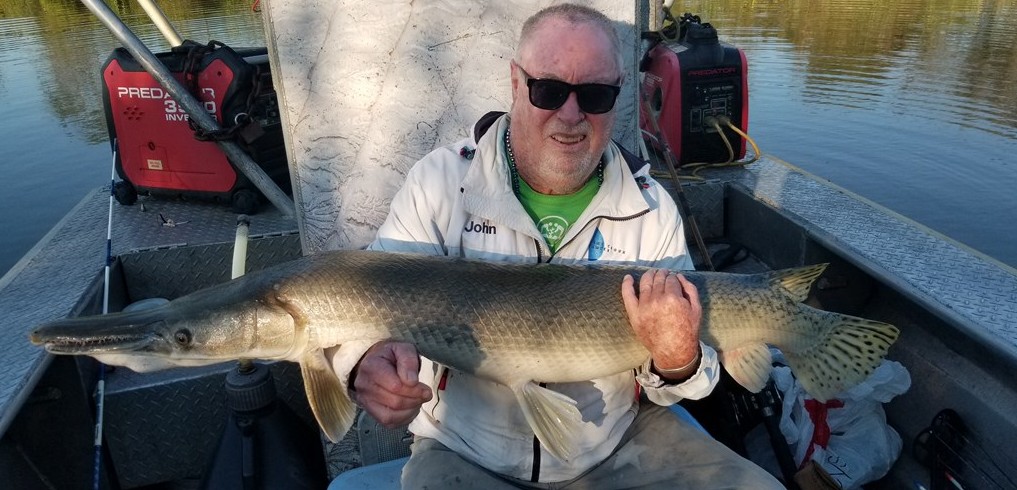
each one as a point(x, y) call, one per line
point(908, 103)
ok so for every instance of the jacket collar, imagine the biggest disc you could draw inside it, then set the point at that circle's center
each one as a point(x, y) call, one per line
point(487, 188)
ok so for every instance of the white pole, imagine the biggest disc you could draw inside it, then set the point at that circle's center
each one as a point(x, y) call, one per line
point(240, 246)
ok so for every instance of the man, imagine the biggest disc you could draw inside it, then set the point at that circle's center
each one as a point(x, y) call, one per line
point(545, 183)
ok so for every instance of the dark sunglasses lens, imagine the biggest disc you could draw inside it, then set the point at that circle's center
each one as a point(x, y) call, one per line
point(593, 98)
point(596, 98)
point(548, 94)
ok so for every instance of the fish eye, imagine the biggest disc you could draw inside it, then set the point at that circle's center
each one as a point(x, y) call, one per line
point(182, 336)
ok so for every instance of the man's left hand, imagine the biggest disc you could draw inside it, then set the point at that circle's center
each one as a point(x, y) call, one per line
point(665, 316)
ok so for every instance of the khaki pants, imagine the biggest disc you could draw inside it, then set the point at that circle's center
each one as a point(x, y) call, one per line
point(679, 457)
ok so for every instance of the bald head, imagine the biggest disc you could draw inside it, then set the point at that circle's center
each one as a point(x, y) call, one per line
point(571, 14)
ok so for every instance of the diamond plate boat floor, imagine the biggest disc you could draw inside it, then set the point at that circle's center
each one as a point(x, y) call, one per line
point(50, 279)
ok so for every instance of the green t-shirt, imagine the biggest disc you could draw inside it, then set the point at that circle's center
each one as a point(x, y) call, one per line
point(555, 214)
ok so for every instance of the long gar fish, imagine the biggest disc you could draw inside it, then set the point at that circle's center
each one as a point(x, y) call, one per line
point(514, 324)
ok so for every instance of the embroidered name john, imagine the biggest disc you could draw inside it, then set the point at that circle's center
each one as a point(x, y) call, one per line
point(484, 228)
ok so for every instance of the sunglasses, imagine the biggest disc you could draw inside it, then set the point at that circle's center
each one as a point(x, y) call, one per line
point(548, 94)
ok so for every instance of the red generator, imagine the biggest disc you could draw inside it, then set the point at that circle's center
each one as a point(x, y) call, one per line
point(158, 152)
point(692, 81)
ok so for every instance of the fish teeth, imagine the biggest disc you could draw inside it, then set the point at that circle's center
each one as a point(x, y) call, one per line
point(91, 343)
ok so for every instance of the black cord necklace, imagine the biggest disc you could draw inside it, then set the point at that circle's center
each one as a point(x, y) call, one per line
point(515, 173)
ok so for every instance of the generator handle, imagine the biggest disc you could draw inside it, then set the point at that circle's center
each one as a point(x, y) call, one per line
point(161, 22)
point(194, 109)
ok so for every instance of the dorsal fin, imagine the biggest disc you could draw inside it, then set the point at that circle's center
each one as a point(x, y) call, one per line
point(797, 281)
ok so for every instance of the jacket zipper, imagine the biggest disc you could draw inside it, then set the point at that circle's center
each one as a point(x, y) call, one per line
point(587, 225)
point(535, 474)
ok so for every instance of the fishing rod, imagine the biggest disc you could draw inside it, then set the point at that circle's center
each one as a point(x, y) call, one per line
point(100, 385)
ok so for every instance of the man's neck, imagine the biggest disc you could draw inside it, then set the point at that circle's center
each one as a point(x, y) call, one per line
point(553, 184)
point(543, 178)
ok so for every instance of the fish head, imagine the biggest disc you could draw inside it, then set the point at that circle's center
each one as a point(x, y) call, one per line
point(190, 331)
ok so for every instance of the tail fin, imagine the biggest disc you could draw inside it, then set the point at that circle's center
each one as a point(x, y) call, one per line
point(847, 353)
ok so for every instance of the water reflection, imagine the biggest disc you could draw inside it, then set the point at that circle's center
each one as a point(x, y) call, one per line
point(950, 56)
point(907, 102)
point(72, 44)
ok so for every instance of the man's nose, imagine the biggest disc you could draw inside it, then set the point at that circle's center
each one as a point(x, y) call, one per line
point(569, 112)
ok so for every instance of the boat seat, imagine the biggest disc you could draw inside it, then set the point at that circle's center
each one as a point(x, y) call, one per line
point(385, 475)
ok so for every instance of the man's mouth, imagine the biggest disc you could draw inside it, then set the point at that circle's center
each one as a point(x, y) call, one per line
point(569, 139)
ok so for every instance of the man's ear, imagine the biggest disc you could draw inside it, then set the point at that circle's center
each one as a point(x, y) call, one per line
point(516, 79)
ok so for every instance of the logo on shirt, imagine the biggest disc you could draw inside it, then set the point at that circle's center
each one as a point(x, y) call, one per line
point(553, 228)
point(483, 228)
point(598, 246)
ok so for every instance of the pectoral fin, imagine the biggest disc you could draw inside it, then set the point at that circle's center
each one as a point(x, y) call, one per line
point(331, 405)
point(552, 416)
point(750, 366)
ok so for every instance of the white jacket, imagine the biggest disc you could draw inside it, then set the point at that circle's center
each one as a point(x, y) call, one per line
point(455, 205)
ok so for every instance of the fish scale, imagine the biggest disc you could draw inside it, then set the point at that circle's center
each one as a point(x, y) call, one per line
point(514, 324)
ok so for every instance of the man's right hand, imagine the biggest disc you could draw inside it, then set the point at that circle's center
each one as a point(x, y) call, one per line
point(386, 384)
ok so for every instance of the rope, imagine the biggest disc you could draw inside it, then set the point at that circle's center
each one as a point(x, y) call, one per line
point(729, 163)
point(192, 66)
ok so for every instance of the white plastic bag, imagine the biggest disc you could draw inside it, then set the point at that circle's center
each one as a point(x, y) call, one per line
point(847, 436)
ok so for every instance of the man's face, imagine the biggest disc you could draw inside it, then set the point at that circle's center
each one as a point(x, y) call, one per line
point(556, 150)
